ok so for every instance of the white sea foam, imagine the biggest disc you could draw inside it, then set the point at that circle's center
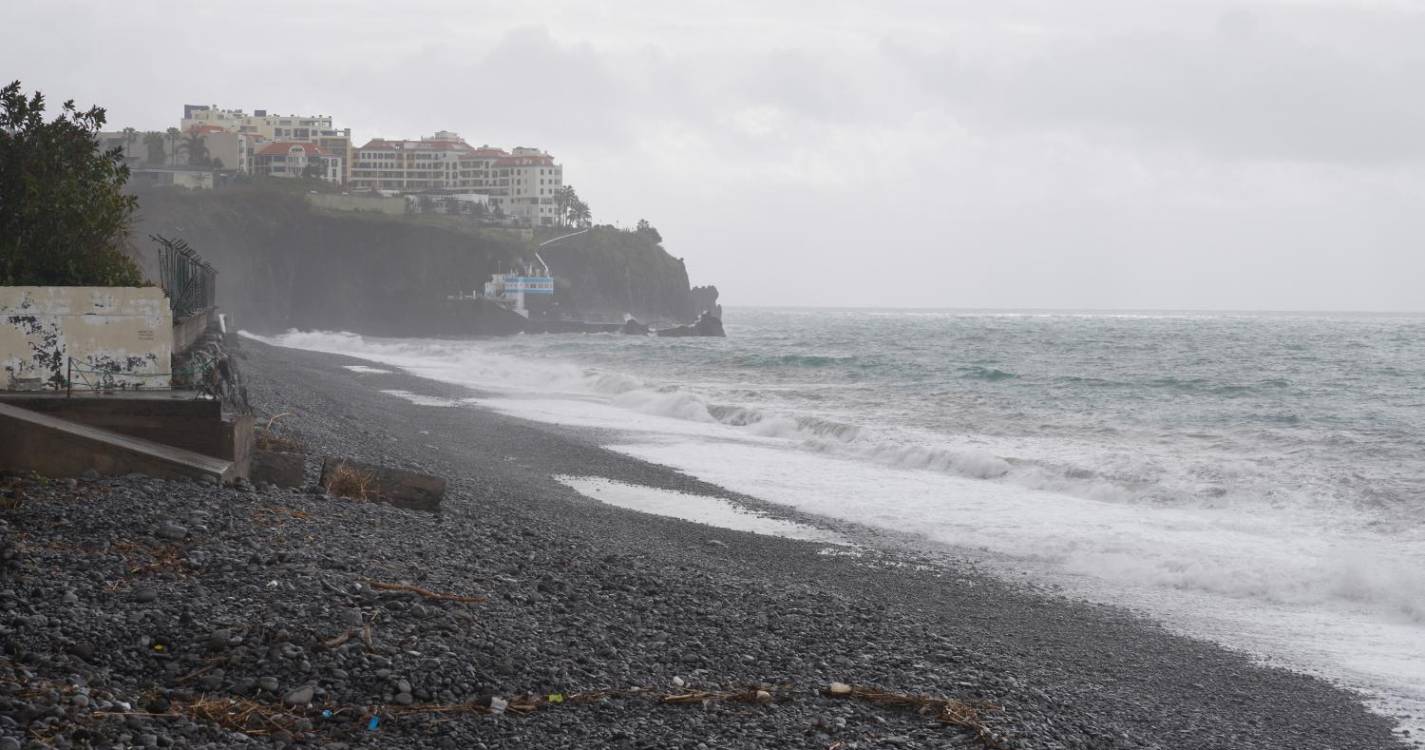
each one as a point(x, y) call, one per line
point(421, 399)
point(702, 509)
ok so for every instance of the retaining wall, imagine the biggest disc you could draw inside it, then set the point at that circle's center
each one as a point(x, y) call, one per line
point(122, 336)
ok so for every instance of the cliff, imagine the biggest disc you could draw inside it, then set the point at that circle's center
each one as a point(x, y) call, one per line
point(283, 264)
point(607, 272)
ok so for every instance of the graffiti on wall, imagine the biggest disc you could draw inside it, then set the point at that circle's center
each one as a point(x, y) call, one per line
point(103, 337)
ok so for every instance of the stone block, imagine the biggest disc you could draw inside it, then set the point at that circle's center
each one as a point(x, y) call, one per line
point(404, 489)
point(282, 468)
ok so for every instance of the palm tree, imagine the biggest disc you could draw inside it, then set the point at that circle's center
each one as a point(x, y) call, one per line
point(172, 135)
point(580, 213)
point(196, 147)
point(131, 137)
point(564, 199)
point(154, 143)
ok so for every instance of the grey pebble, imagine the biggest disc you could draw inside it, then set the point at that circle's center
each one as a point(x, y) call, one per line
point(172, 532)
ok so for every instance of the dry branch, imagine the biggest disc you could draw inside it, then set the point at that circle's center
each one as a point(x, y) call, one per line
point(947, 710)
point(338, 640)
point(437, 595)
point(699, 696)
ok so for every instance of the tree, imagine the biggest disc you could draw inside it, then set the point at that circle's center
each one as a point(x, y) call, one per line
point(172, 136)
point(564, 198)
point(645, 228)
point(154, 143)
point(580, 215)
point(316, 169)
point(215, 163)
point(196, 146)
point(131, 137)
point(64, 218)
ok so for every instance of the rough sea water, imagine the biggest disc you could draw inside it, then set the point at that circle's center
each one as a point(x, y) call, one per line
point(1257, 480)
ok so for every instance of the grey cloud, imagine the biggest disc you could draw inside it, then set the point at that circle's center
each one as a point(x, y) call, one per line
point(1242, 91)
point(526, 86)
point(1194, 153)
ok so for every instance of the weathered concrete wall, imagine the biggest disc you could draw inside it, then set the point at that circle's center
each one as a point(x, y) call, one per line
point(190, 329)
point(380, 204)
point(196, 425)
point(30, 441)
point(122, 336)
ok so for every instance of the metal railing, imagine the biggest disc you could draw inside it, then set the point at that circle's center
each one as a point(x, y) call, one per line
point(189, 281)
point(108, 379)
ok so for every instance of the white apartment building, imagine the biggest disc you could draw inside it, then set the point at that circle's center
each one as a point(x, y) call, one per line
point(531, 177)
point(521, 184)
point(429, 164)
point(316, 129)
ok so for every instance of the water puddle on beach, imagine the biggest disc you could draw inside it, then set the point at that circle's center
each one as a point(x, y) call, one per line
point(711, 511)
point(420, 400)
point(367, 370)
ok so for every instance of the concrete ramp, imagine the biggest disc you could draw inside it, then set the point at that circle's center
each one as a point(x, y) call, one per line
point(30, 441)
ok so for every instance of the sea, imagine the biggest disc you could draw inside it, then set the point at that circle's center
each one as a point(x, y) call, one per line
point(1253, 479)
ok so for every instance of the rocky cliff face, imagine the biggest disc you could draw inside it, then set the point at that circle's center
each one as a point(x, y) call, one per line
point(606, 273)
point(704, 299)
point(284, 265)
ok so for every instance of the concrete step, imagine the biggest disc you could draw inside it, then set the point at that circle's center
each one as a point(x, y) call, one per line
point(31, 441)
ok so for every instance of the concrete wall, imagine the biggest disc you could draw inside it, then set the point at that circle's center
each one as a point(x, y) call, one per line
point(192, 179)
point(196, 425)
point(190, 329)
point(380, 205)
point(122, 336)
point(31, 441)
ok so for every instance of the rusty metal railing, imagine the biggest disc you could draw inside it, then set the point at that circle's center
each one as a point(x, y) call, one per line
point(189, 281)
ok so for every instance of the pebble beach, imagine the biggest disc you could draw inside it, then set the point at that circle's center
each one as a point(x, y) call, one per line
point(144, 613)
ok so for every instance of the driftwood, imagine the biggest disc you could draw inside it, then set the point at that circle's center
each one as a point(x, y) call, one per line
point(437, 595)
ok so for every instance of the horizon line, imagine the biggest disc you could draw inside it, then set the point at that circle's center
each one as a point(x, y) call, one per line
point(1156, 310)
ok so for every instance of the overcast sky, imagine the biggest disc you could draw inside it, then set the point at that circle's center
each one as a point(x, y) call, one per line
point(1017, 153)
